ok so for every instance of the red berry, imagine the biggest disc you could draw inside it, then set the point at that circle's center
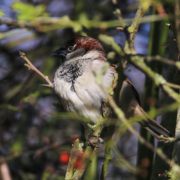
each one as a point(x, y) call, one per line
point(64, 157)
point(79, 161)
point(78, 164)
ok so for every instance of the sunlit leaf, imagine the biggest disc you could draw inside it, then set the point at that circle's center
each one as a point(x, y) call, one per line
point(8, 106)
point(17, 146)
point(28, 12)
point(83, 19)
point(1, 13)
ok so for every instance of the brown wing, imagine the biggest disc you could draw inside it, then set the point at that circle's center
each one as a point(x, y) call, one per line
point(129, 102)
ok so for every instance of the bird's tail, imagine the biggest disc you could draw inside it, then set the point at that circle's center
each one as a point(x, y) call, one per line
point(129, 102)
point(156, 129)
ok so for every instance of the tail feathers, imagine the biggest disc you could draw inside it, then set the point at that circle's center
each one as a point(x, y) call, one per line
point(156, 129)
point(130, 103)
point(153, 126)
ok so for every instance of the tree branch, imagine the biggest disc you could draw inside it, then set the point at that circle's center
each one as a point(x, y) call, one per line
point(163, 60)
point(4, 170)
point(133, 29)
point(30, 66)
point(138, 61)
point(122, 118)
point(11, 22)
point(42, 24)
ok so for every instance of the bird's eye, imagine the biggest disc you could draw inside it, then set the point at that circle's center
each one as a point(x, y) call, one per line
point(71, 48)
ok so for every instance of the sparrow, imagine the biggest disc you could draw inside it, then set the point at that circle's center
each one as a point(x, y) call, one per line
point(76, 85)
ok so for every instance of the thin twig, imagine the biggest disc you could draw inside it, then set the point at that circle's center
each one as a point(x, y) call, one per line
point(76, 174)
point(158, 58)
point(11, 22)
point(32, 67)
point(158, 79)
point(175, 86)
point(4, 170)
point(138, 61)
point(163, 60)
point(53, 23)
point(133, 29)
point(160, 111)
point(121, 116)
point(73, 155)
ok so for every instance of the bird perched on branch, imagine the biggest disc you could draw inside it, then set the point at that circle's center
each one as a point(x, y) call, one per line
point(75, 84)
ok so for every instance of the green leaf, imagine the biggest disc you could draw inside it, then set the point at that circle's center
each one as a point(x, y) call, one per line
point(1, 13)
point(83, 19)
point(28, 12)
point(17, 146)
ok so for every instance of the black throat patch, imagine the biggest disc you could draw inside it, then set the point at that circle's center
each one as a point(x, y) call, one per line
point(70, 71)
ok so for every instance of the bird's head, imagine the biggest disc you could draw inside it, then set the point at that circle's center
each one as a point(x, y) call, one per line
point(79, 47)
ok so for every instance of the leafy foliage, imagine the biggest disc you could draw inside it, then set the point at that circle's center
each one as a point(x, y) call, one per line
point(1, 13)
point(28, 12)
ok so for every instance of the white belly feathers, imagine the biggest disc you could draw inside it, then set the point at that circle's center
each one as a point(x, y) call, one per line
point(82, 94)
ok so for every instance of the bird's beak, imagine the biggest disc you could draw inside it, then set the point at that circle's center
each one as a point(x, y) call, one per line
point(62, 52)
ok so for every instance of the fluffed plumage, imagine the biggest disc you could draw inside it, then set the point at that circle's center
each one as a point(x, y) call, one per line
point(75, 84)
